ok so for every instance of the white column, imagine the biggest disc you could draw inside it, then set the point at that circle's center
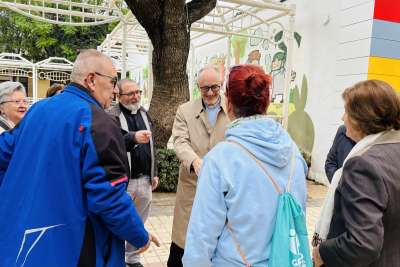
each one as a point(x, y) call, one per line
point(124, 39)
point(288, 72)
point(34, 84)
point(150, 72)
point(192, 72)
point(228, 51)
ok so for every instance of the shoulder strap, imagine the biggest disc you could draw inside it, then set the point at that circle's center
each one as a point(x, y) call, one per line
point(237, 244)
point(293, 164)
point(292, 167)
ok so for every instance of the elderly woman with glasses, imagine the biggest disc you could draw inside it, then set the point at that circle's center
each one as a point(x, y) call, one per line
point(359, 223)
point(13, 104)
point(234, 211)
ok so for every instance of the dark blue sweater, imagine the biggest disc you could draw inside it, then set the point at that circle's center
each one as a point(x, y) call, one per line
point(337, 154)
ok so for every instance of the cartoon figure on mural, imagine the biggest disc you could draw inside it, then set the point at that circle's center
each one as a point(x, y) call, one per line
point(278, 77)
point(254, 57)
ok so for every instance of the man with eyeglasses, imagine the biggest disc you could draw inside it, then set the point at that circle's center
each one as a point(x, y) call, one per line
point(199, 125)
point(63, 178)
point(137, 128)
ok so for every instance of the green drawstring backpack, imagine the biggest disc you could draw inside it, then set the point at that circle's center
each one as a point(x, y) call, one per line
point(289, 245)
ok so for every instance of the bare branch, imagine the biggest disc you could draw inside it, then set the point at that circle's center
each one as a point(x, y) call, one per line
point(199, 8)
point(147, 12)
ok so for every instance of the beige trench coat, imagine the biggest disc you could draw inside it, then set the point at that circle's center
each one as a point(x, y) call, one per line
point(193, 137)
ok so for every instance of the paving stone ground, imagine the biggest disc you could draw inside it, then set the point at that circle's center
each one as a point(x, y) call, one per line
point(160, 221)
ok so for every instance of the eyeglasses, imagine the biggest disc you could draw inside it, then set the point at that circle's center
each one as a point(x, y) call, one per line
point(17, 102)
point(113, 80)
point(215, 88)
point(139, 92)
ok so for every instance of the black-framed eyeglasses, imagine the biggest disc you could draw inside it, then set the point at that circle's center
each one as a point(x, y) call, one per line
point(16, 102)
point(215, 88)
point(113, 80)
point(138, 92)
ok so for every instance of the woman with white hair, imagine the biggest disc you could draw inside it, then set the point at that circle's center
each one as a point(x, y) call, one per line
point(13, 104)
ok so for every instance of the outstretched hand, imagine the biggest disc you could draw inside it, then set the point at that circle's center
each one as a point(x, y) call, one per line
point(152, 239)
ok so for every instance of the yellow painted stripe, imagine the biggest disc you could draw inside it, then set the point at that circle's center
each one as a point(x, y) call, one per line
point(384, 66)
point(394, 81)
point(385, 69)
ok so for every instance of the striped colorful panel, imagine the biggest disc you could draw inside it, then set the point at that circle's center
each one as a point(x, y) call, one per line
point(385, 69)
point(388, 10)
point(385, 41)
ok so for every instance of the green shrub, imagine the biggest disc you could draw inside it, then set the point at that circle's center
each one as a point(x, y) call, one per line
point(168, 170)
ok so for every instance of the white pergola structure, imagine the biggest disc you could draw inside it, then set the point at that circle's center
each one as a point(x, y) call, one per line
point(67, 12)
point(229, 18)
point(54, 68)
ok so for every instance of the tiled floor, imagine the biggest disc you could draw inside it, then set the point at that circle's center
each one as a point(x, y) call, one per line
point(160, 222)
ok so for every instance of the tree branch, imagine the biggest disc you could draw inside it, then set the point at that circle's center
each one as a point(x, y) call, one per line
point(199, 8)
point(147, 12)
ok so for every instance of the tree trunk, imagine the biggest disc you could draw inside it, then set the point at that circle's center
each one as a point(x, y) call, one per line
point(167, 23)
point(171, 50)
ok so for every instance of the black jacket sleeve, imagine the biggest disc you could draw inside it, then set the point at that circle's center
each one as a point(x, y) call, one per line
point(331, 163)
point(363, 198)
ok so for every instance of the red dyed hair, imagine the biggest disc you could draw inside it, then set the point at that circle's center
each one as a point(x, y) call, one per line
point(248, 90)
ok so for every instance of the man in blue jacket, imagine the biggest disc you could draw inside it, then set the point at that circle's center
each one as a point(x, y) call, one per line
point(63, 175)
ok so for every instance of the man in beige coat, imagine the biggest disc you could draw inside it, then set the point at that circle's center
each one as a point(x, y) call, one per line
point(199, 125)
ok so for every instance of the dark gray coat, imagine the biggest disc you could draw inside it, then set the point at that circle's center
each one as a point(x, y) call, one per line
point(365, 229)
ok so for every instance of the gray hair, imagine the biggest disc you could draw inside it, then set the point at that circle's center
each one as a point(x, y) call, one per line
point(208, 67)
point(7, 88)
point(121, 83)
point(87, 61)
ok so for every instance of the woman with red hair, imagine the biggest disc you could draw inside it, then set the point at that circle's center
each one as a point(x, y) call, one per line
point(234, 211)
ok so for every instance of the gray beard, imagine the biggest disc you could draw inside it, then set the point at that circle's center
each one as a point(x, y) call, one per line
point(133, 108)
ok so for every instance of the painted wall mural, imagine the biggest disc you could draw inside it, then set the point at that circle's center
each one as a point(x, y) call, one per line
point(300, 126)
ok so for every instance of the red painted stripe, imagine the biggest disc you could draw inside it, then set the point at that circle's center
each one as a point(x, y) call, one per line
point(120, 180)
point(388, 10)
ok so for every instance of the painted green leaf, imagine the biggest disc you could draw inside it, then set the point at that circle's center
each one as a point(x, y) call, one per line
point(301, 129)
point(296, 98)
point(278, 36)
point(304, 93)
point(239, 42)
point(283, 47)
point(297, 37)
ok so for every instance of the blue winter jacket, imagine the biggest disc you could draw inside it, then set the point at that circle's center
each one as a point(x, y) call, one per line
point(63, 175)
point(233, 188)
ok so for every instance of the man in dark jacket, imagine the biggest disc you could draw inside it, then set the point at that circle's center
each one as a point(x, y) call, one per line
point(337, 154)
point(136, 126)
point(63, 176)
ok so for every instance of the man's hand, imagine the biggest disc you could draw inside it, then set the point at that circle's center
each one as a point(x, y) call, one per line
point(153, 239)
point(154, 183)
point(316, 257)
point(142, 136)
point(197, 165)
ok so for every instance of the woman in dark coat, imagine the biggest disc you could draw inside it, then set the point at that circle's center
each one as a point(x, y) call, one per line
point(363, 229)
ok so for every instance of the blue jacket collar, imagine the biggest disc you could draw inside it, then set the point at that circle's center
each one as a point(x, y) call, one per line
point(81, 91)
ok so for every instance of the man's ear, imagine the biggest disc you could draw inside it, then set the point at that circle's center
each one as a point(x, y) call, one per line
point(90, 82)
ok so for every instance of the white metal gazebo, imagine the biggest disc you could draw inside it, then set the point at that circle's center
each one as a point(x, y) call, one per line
point(54, 69)
point(229, 18)
point(247, 18)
